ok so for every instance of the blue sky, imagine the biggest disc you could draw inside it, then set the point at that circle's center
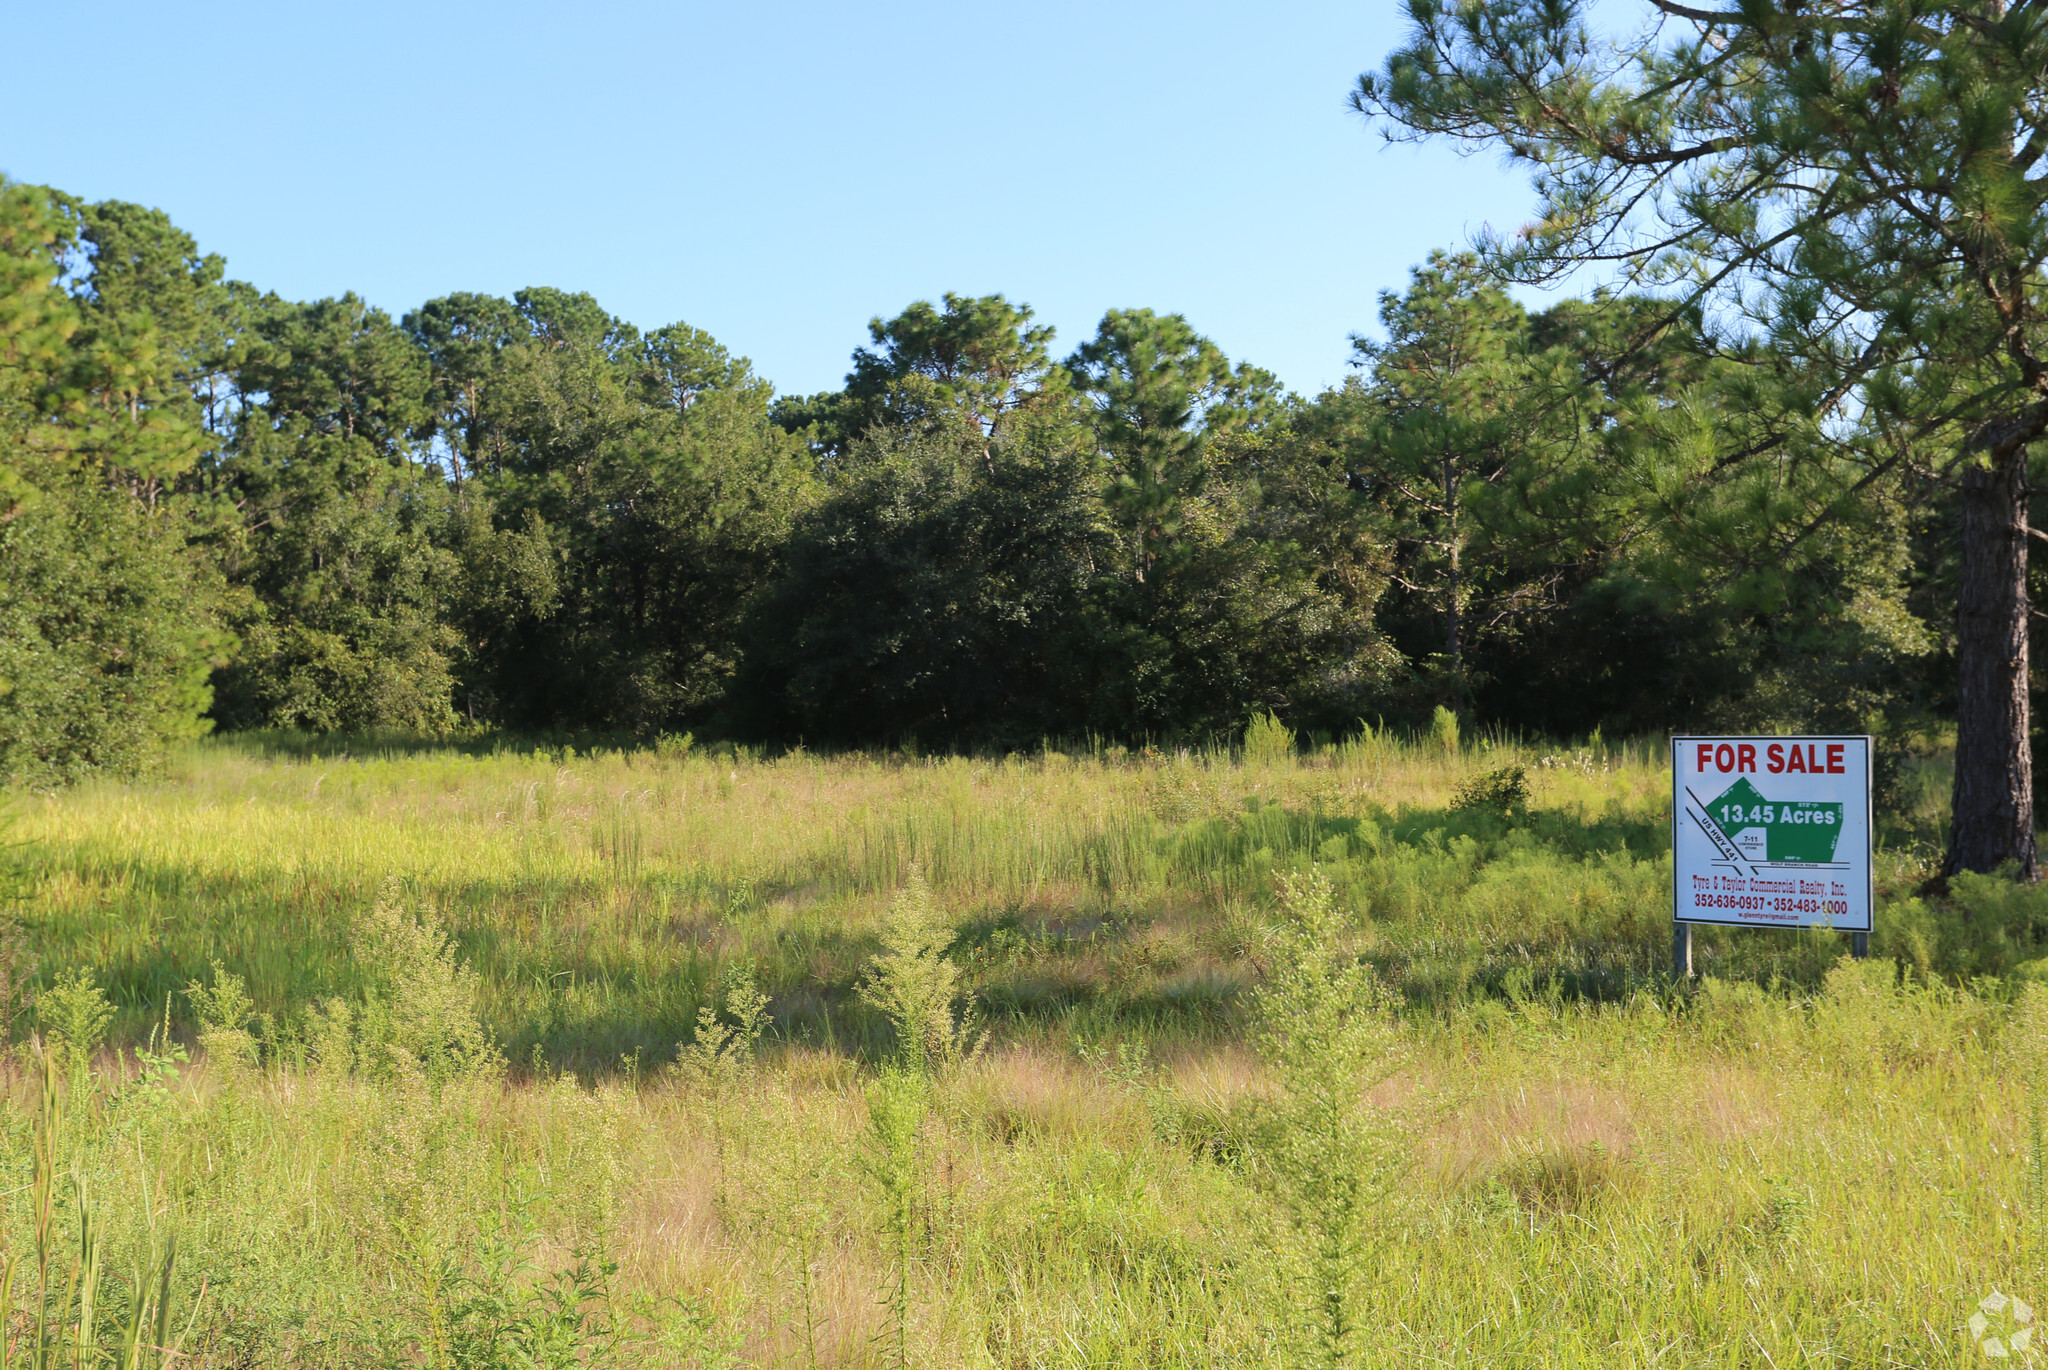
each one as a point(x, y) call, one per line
point(775, 173)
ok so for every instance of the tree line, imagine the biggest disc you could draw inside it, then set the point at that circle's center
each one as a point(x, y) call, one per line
point(228, 509)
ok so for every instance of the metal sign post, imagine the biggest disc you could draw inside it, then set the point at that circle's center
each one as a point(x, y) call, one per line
point(1770, 832)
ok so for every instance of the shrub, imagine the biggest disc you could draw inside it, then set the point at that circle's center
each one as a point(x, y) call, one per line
point(421, 1005)
point(107, 637)
point(74, 1014)
point(226, 1014)
point(899, 1101)
point(1267, 741)
point(1443, 730)
point(1505, 791)
point(1175, 794)
point(722, 1051)
point(915, 986)
point(1986, 925)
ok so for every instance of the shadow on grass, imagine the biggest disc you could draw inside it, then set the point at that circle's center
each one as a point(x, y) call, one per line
point(1457, 906)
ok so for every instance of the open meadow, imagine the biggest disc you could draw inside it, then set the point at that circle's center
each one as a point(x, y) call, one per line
point(536, 837)
point(468, 1057)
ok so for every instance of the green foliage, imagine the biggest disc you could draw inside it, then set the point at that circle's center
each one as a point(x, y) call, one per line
point(227, 1019)
point(2024, 1046)
point(935, 558)
point(107, 623)
point(419, 1012)
point(965, 369)
point(1981, 925)
point(462, 336)
point(1117, 1179)
point(666, 498)
point(36, 325)
point(17, 962)
point(106, 638)
point(525, 512)
point(341, 544)
point(604, 849)
point(722, 1052)
point(1159, 393)
point(528, 513)
point(1475, 450)
point(17, 995)
point(52, 1311)
point(74, 1014)
point(502, 1308)
point(1267, 741)
point(1835, 189)
point(477, 1286)
point(424, 1164)
point(913, 984)
point(899, 1102)
point(1443, 730)
point(348, 630)
point(1322, 1024)
point(515, 511)
point(938, 554)
point(1504, 791)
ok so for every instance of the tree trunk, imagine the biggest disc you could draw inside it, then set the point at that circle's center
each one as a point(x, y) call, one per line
point(1993, 811)
point(1454, 644)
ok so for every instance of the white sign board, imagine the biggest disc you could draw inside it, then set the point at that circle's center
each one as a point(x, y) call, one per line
point(1771, 832)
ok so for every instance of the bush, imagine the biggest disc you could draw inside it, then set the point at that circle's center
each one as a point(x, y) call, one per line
point(1505, 791)
point(1443, 730)
point(1985, 925)
point(722, 1052)
point(74, 1015)
point(107, 636)
point(421, 1008)
point(1267, 741)
point(915, 986)
point(226, 1016)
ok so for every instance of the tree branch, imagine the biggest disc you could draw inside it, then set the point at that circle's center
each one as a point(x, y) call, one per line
point(1715, 17)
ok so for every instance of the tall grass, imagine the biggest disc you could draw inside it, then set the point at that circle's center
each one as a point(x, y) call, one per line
point(493, 1058)
point(597, 899)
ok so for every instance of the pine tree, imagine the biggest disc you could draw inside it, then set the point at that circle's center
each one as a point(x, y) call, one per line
point(1855, 192)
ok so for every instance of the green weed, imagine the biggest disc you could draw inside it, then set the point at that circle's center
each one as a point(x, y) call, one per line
point(1330, 1159)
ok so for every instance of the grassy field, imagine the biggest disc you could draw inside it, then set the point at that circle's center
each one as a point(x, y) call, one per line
point(502, 1150)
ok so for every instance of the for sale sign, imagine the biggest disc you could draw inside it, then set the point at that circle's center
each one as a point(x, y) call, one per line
point(1771, 831)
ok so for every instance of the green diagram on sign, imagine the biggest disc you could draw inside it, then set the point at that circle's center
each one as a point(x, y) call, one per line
point(1802, 830)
